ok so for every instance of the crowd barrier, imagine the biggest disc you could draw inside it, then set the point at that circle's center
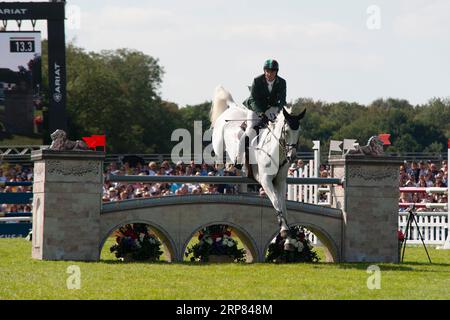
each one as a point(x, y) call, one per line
point(17, 224)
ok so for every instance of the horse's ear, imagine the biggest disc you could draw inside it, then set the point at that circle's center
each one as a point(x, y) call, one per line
point(285, 113)
point(301, 115)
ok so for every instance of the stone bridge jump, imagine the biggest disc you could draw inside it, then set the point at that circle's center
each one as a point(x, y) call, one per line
point(70, 222)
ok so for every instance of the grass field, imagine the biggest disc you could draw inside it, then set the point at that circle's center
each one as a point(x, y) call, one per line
point(24, 278)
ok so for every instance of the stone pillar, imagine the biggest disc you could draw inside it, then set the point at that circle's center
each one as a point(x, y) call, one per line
point(67, 193)
point(369, 201)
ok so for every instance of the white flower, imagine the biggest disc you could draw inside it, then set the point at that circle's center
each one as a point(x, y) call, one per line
point(208, 240)
point(230, 243)
point(141, 237)
point(218, 239)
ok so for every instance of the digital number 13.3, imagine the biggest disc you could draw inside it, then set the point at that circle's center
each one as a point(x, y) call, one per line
point(21, 46)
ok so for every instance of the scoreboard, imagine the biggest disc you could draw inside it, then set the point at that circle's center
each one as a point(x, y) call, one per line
point(22, 45)
point(20, 81)
point(18, 48)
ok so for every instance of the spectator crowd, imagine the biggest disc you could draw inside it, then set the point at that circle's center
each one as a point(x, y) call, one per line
point(15, 173)
point(426, 175)
point(114, 191)
point(412, 174)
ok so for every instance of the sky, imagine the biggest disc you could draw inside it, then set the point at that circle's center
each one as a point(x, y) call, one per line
point(351, 50)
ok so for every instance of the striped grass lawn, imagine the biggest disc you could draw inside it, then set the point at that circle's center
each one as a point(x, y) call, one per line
point(24, 278)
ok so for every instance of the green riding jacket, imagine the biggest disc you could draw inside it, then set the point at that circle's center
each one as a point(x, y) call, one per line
point(261, 99)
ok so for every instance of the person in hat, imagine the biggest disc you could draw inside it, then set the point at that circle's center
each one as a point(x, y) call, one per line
point(267, 98)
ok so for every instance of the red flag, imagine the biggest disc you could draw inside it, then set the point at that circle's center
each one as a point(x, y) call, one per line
point(95, 141)
point(100, 140)
point(449, 143)
point(385, 138)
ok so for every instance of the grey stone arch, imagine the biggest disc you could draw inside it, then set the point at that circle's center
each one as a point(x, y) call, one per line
point(332, 250)
point(247, 240)
point(167, 241)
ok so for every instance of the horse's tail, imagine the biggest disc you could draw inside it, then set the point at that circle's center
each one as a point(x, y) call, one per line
point(221, 101)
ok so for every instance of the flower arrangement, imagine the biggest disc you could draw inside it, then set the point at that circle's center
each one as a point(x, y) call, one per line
point(136, 243)
point(296, 248)
point(216, 240)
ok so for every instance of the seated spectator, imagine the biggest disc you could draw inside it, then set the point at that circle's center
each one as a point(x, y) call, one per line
point(113, 194)
point(219, 168)
point(413, 171)
point(179, 169)
point(212, 189)
point(153, 168)
point(433, 169)
point(300, 164)
point(423, 169)
point(197, 190)
point(423, 182)
point(439, 182)
point(166, 166)
point(405, 197)
point(204, 169)
point(189, 171)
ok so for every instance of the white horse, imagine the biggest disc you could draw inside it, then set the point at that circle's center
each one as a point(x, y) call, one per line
point(270, 157)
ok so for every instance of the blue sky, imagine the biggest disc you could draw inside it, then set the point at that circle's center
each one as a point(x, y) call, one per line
point(325, 49)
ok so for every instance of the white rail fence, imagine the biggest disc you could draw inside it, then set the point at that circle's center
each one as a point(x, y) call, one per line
point(312, 193)
point(433, 225)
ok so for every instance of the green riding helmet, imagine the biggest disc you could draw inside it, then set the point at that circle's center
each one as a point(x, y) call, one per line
point(271, 65)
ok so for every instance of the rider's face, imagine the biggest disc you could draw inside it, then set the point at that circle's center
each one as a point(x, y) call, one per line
point(270, 74)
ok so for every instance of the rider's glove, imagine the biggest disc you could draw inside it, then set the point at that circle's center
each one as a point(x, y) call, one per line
point(272, 113)
point(262, 122)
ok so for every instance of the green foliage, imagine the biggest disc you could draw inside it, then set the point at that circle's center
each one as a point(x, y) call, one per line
point(117, 93)
point(199, 112)
point(423, 128)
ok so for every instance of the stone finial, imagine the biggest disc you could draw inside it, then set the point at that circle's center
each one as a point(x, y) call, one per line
point(61, 143)
point(374, 147)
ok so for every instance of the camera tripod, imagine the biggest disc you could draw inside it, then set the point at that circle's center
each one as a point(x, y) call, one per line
point(412, 217)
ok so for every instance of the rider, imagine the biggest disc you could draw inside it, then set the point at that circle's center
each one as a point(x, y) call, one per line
point(268, 96)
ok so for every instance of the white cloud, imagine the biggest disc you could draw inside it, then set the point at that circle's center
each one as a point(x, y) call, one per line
point(420, 18)
point(324, 32)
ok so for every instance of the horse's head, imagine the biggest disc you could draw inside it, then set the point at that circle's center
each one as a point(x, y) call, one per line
point(292, 131)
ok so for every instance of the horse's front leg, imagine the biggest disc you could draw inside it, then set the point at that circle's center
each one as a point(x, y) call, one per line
point(280, 188)
point(274, 196)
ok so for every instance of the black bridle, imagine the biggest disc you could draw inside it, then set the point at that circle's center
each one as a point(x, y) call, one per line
point(293, 123)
